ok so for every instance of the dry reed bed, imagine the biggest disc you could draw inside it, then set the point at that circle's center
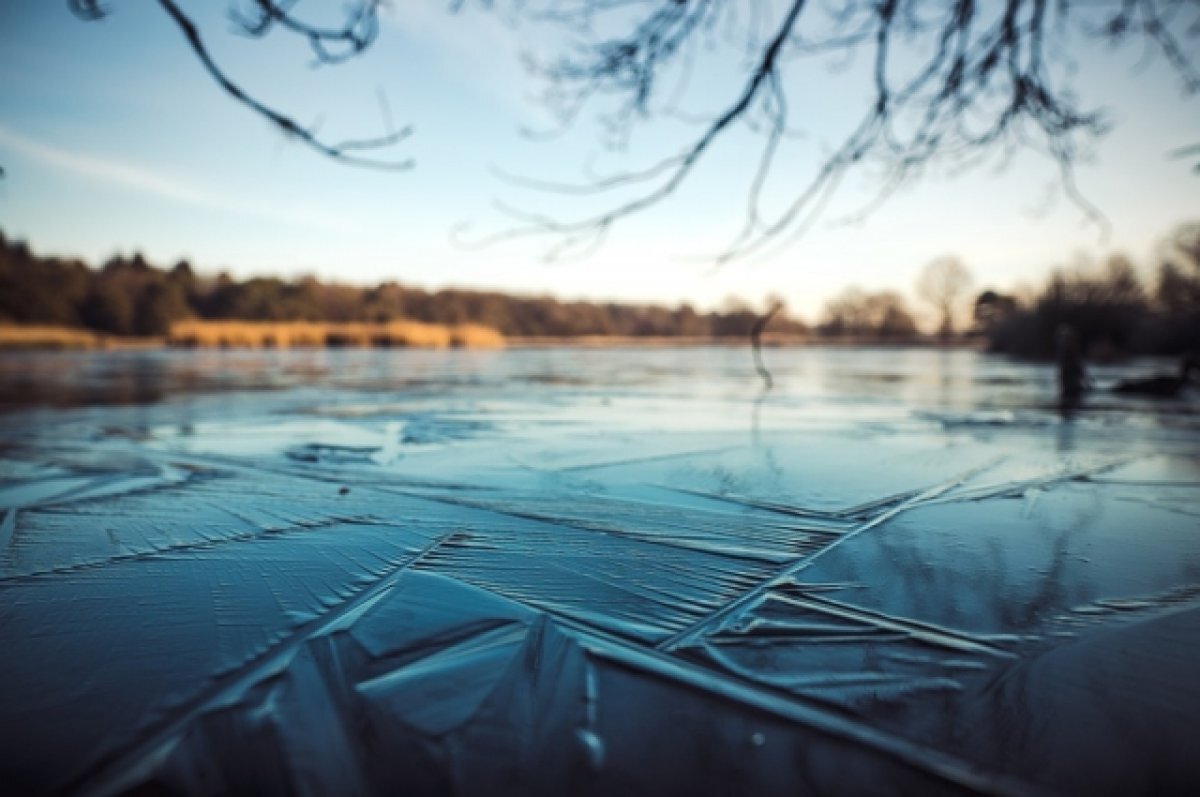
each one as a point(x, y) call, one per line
point(51, 337)
point(288, 334)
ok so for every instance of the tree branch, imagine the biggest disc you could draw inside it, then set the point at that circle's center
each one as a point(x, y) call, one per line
point(358, 33)
point(980, 84)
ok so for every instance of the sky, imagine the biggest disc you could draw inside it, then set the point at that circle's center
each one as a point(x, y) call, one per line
point(114, 139)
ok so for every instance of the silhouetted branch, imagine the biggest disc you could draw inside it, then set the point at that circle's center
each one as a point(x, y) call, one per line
point(950, 81)
point(257, 18)
point(358, 32)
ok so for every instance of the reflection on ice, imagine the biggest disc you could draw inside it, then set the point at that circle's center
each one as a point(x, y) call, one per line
point(594, 572)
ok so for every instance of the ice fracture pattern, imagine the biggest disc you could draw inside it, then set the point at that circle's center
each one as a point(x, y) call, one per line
point(594, 573)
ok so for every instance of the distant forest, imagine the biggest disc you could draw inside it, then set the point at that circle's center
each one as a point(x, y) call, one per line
point(129, 296)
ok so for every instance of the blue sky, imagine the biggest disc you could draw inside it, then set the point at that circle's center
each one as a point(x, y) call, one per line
point(114, 139)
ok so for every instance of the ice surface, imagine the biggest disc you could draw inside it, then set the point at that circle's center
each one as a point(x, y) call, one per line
point(591, 572)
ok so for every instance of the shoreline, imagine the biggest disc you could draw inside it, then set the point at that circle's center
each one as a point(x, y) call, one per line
point(304, 335)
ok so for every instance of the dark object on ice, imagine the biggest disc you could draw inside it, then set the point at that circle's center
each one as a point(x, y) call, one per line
point(1072, 376)
point(1163, 386)
point(343, 490)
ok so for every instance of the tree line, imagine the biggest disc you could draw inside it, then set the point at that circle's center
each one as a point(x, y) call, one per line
point(130, 296)
point(1112, 309)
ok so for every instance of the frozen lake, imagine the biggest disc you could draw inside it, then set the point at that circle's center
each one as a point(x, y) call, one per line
point(593, 571)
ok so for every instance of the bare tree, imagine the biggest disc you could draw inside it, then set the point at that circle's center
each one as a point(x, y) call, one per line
point(1178, 289)
point(943, 283)
point(858, 314)
point(1183, 245)
point(948, 82)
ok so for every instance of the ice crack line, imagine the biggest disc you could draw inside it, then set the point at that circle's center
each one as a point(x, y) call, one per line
point(172, 548)
point(704, 624)
point(121, 770)
point(920, 757)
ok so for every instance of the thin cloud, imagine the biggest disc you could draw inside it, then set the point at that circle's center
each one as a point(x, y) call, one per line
point(139, 179)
